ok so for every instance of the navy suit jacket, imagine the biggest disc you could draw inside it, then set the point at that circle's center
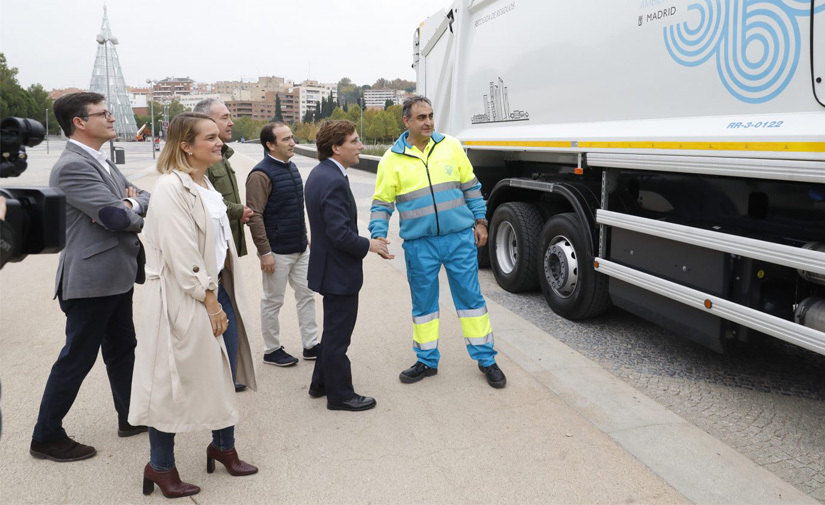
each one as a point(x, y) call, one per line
point(337, 250)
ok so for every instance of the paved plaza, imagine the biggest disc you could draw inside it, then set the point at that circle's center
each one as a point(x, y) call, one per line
point(563, 431)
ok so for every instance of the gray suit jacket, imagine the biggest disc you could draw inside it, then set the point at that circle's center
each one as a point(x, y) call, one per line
point(103, 255)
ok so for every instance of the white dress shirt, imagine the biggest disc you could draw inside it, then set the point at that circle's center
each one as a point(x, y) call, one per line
point(340, 166)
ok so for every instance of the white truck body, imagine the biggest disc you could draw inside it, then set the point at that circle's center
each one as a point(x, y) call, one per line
point(653, 104)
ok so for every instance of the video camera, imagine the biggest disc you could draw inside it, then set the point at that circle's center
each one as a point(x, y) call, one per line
point(36, 217)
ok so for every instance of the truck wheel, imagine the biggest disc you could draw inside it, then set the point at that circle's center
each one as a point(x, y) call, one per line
point(513, 239)
point(568, 281)
point(484, 256)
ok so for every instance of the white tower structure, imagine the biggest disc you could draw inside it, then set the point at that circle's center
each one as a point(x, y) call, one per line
point(107, 79)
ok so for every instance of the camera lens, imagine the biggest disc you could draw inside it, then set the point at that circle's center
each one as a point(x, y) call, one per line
point(15, 132)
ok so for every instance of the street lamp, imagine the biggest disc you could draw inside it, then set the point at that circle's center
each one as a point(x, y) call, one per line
point(152, 114)
point(102, 40)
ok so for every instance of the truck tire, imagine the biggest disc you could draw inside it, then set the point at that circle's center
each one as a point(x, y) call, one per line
point(513, 239)
point(566, 275)
point(484, 256)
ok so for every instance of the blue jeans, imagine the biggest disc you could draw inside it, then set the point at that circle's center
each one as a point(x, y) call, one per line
point(230, 336)
point(162, 446)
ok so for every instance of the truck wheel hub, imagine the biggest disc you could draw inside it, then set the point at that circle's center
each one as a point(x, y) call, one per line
point(561, 268)
point(506, 247)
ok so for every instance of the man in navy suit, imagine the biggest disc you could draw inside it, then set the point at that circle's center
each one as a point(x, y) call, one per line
point(96, 274)
point(335, 268)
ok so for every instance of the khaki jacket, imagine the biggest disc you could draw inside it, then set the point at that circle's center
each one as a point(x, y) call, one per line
point(222, 176)
point(182, 380)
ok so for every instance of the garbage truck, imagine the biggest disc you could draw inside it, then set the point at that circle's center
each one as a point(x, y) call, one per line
point(663, 156)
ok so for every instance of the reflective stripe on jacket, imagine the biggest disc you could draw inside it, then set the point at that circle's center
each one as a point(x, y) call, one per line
point(435, 191)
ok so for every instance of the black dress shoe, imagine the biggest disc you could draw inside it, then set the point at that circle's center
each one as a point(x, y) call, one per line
point(239, 388)
point(63, 451)
point(354, 404)
point(127, 430)
point(317, 391)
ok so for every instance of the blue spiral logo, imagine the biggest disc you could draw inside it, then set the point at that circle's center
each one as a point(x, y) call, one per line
point(756, 43)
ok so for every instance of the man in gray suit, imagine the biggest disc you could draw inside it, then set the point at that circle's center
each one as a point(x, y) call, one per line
point(98, 268)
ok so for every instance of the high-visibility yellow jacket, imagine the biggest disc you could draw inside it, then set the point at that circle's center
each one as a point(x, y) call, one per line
point(436, 191)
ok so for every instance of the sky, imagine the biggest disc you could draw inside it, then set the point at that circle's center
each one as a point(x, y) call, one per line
point(52, 42)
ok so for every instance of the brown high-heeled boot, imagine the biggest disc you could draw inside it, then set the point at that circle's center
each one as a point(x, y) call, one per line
point(230, 460)
point(169, 483)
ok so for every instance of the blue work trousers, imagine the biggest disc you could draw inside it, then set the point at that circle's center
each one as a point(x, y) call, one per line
point(458, 254)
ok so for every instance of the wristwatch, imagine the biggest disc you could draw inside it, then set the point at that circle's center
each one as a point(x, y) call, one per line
point(482, 221)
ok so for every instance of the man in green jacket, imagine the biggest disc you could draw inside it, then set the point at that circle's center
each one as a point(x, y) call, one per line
point(222, 176)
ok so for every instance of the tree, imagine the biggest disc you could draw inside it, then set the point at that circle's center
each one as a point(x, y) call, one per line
point(309, 115)
point(247, 128)
point(144, 120)
point(42, 103)
point(14, 100)
point(401, 84)
point(388, 103)
point(382, 84)
point(348, 92)
point(175, 108)
point(279, 114)
point(338, 113)
point(318, 114)
point(389, 127)
point(305, 133)
point(372, 125)
point(397, 84)
point(395, 112)
point(330, 105)
point(158, 119)
point(354, 115)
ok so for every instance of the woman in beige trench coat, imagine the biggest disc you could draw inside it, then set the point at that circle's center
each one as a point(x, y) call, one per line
point(182, 377)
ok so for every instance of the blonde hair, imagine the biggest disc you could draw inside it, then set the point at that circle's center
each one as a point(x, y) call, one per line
point(182, 128)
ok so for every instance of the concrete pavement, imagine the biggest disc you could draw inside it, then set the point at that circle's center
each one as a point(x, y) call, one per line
point(562, 431)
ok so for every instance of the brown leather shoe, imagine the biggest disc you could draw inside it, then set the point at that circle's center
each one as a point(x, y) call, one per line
point(169, 483)
point(63, 451)
point(229, 459)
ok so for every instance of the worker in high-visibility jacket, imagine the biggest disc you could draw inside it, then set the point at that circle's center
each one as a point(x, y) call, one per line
point(429, 178)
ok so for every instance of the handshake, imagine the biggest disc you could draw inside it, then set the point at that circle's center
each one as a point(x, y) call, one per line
point(379, 245)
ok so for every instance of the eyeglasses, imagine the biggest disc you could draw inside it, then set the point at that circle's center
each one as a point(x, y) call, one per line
point(106, 114)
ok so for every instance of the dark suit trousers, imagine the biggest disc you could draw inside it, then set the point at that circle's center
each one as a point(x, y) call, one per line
point(332, 369)
point(92, 324)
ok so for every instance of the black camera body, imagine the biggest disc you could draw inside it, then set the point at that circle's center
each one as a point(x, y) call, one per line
point(36, 216)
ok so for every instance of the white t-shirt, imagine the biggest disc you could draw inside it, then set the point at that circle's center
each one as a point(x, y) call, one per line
point(217, 211)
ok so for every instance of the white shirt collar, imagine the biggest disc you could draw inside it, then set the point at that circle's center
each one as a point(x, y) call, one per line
point(276, 159)
point(100, 156)
point(340, 166)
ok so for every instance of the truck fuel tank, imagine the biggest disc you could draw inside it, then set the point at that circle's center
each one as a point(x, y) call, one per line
point(811, 313)
point(811, 276)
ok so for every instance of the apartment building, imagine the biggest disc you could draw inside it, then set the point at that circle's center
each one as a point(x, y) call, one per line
point(376, 98)
point(172, 87)
point(312, 92)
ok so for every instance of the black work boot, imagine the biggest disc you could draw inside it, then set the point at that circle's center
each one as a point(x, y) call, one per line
point(495, 377)
point(417, 372)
